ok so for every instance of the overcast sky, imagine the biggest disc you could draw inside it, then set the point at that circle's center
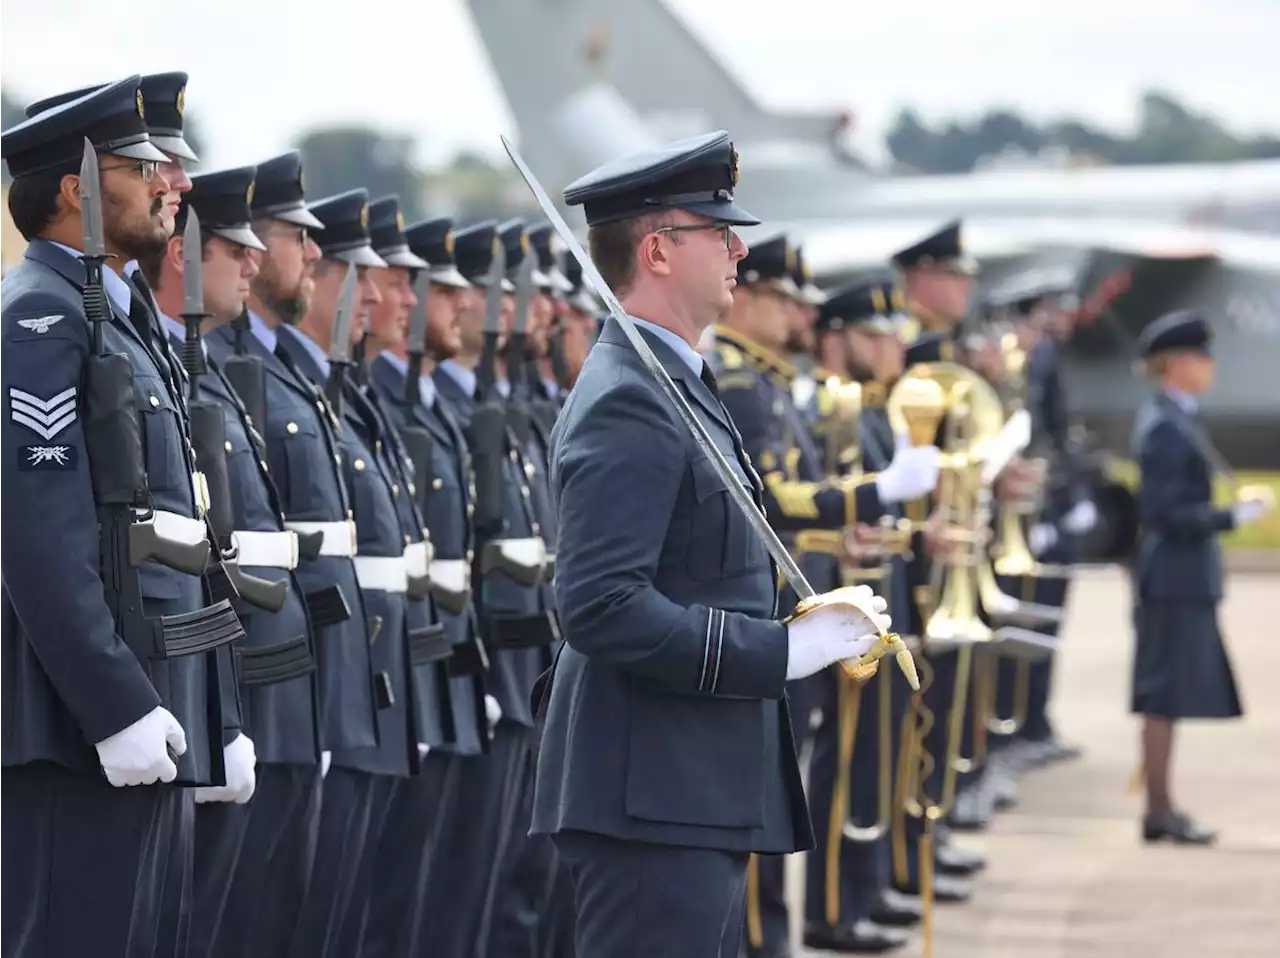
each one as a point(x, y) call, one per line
point(264, 70)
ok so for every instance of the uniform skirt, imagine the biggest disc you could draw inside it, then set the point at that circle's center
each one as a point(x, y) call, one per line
point(1180, 666)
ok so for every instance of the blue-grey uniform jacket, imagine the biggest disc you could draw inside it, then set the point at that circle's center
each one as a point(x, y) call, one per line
point(667, 718)
point(69, 679)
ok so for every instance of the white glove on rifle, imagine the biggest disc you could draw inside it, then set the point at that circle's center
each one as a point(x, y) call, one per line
point(1250, 511)
point(831, 633)
point(1082, 517)
point(492, 711)
point(912, 473)
point(326, 759)
point(1042, 537)
point(241, 760)
point(137, 754)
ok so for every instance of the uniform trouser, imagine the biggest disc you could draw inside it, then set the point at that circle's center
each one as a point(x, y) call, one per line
point(520, 898)
point(766, 906)
point(90, 869)
point(1038, 728)
point(470, 845)
point(635, 898)
point(844, 876)
point(403, 858)
point(250, 909)
point(938, 699)
point(352, 807)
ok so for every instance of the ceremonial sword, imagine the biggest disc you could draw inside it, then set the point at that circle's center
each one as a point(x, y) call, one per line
point(809, 599)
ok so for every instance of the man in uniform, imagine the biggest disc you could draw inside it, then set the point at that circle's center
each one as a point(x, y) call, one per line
point(937, 278)
point(579, 322)
point(849, 898)
point(251, 862)
point(100, 682)
point(667, 756)
point(800, 500)
point(360, 786)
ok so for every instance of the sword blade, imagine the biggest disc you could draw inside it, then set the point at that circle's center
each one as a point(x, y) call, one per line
point(90, 190)
point(740, 496)
point(493, 294)
point(192, 267)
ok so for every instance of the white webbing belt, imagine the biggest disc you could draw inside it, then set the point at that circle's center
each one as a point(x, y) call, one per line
point(452, 575)
point(269, 550)
point(417, 559)
point(382, 573)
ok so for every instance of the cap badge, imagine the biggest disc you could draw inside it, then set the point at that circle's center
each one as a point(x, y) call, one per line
point(364, 217)
point(733, 166)
point(248, 194)
point(448, 243)
point(137, 99)
point(400, 221)
point(182, 100)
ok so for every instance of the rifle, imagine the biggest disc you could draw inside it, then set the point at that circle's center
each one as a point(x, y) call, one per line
point(209, 438)
point(514, 358)
point(247, 374)
point(130, 529)
point(339, 350)
point(486, 434)
point(416, 440)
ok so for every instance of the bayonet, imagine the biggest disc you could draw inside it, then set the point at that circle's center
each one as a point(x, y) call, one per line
point(340, 341)
point(524, 298)
point(192, 301)
point(96, 309)
point(487, 371)
point(416, 346)
point(755, 517)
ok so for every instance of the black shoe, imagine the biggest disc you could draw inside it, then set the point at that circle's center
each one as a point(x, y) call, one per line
point(1176, 827)
point(897, 910)
point(949, 889)
point(862, 937)
point(1004, 791)
point(1057, 750)
point(953, 860)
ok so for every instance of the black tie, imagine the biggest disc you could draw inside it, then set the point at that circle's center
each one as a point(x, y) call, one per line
point(709, 379)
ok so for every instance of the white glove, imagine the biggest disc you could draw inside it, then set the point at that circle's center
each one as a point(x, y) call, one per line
point(1082, 517)
point(423, 750)
point(492, 711)
point(137, 754)
point(326, 759)
point(1042, 537)
point(241, 760)
point(912, 473)
point(1250, 511)
point(831, 633)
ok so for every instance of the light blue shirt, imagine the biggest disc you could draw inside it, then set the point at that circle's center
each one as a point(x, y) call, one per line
point(118, 291)
point(264, 333)
point(310, 346)
point(503, 387)
point(426, 388)
point(1187, 402)
point(464, 377)
point(682, 349)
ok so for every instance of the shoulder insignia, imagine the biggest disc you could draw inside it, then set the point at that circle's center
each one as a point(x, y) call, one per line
point(41, 324)
point(45, 417)
point(741, 379)
point(730, 356)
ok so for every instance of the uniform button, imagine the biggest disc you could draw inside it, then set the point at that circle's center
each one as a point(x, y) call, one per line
point(512, 453)
point(155, 401)
point(377, 445)
point(350, 515)
point(437, 484)
point(359, 464)
point(529, 470)
point(471, 510)
point(227, 445)
point(524, 491)
point(413, 490)
point(337, 457)
point(395, 490)
point(471, 555)
point(291, 428)
point(263, 464)
point(407, 540)
point(535, 528)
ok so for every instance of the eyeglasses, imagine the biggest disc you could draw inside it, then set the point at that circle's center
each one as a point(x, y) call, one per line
point(725, 230)
point(298, 233)
point(145, 168)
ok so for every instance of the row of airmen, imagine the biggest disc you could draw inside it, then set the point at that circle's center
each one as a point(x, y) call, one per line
point(838, 483)
point(277, 555)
